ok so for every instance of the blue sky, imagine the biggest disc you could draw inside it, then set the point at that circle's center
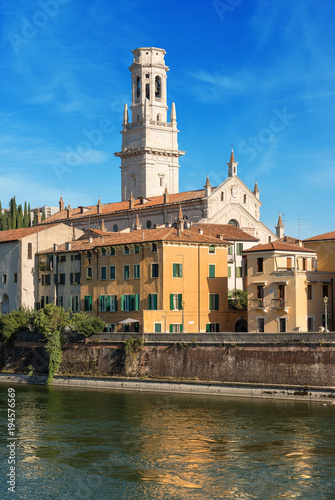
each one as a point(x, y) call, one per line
point(254, 73)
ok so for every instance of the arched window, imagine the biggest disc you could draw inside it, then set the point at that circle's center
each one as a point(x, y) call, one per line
point(147, 90)
point(148, 223)
point(158, 86)
point(158, 118)
point(245, 198)
point(222, 196)
point(115, 228)
point(233, 222)
point(138, 87)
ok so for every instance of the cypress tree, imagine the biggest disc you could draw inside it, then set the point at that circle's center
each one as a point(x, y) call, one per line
point(35, 218)
point(25, 216)
point(29, 215)
point(19, 217)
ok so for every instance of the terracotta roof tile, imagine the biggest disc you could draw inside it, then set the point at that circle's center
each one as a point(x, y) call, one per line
point(278, 245)
point(18, 234)
point(323, 237)
point(142, 235)
point(227, 231)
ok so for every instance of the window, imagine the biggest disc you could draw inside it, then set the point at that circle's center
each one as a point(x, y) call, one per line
point(260, 325)
point(211, 249)
point(211, 272)
point(60, 301)
point(74, 257)
point(229, 271)
point(103, 252)
point(245, 198)
point(75, 278)
point(176, 301)
point(289, 263)
point(176, 328)
point(152, 299)
point(304, 264)
point(158, 327)
point(30, 251)
point(46, 279)
point(138, 87)
point(212, 327)
point(103, 272)
point(136, 271)
point(222, 196)
point(260, 265)
point(112, 303)
point(103, 303)
point(112, 251)
point(88, 303)
point(130, 302)
point(136, 249)
point(89, 273)
point(239, 272)
point(154, 247)
point(325, 291)
point(213, 301)
point(309, 292)
point(239, 248)
point(61, 279)
point(75, 304)
point(126, 272)
point(115, 228)
point(282, 325)
point(177, 270)
point(154, 270)
point(15, 278)
point(126, 250)
point(230, 250)
point(260, 295)
point(112, 272)
point(44, 301)
point(4, 278)
point(147, 90)
point(62, 259)
point(158, 86)
point(310, 324)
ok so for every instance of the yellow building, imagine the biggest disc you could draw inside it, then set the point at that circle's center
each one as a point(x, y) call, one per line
point(285, 290)
point(154, 280)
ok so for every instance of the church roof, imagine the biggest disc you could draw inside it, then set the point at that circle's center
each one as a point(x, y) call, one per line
point(232, 158)
point(121, 206)
point(322, 237)
point(280, 246)
point(226, 231)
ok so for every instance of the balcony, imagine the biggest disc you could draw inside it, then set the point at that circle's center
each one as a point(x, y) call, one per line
point(280, 304)
point(258, 304)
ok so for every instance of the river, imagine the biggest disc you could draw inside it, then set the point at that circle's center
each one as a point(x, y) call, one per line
point(99, 444)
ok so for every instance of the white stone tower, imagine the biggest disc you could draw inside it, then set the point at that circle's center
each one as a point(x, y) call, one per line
point(149, 156)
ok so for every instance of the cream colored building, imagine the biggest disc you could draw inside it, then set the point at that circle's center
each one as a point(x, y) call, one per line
point(285, 290)
point(18, 266)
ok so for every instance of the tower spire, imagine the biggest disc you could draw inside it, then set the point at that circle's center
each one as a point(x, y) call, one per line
point(280, 227)
point(232, 165)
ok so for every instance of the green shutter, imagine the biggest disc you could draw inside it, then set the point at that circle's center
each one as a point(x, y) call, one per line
point(180, 328)
point(100, 302)
point(90, 302)
point(108, 303)
point(137, 302)
point(155, 301)
point(180, 299)
point(132, 303)
point(229, 271)
point(208, 326)
point(171, 301)
point(211, 270)
point(122, 302)
point(149, 298)
point(171, 328)
point(174, 272)
point(115, 302)
point(210, 302)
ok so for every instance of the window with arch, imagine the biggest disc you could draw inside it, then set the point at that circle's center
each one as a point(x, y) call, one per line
point(148, 223)
point(158, 118)
point(233, 222)
point(147, 90)
point(222, 196)
point(138, 87)
point(245, 198)
point(115, 228)
point(158, 87)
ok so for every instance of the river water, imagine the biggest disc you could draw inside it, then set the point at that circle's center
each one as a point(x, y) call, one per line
point(98, 444)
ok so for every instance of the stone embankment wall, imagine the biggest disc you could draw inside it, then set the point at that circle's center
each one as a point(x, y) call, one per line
point(277, 362)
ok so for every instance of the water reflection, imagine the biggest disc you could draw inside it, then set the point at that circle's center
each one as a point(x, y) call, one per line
point(89, 444)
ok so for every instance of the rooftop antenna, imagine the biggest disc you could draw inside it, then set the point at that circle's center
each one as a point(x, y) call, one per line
point(299, 226)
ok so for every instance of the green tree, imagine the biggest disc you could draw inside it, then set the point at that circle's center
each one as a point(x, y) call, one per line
point(35, 218)
point(13, 213)
point(238, 300)
point(86, 325)
point(26, 217)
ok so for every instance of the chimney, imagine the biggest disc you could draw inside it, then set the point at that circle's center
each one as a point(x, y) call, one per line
point(68, 213)
point(99, 206)
point(208, 188)
point(280, 228)
point(68, 246)
point(61, 204)
point(131, 201)
point(256, 191)
point(166, 196)
point(138, 225)
point(201, 231)
point(55, 247)
point(103, 227)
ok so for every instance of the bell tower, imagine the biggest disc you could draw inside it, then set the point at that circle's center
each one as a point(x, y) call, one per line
point(149, 155)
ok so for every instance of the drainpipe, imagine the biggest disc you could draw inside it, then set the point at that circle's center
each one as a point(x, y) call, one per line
point(332, 294)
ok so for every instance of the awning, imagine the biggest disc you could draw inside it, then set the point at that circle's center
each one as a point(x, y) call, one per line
point(128, 321)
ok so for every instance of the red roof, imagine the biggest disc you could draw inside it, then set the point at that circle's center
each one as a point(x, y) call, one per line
point(140, 236)
point(121, 206)
point(226, 231)
point(323, 237)
point(278, 245)
point(18, 234)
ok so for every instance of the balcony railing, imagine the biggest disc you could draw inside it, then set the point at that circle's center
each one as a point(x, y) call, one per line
point(279, 304)
point(257, 304)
